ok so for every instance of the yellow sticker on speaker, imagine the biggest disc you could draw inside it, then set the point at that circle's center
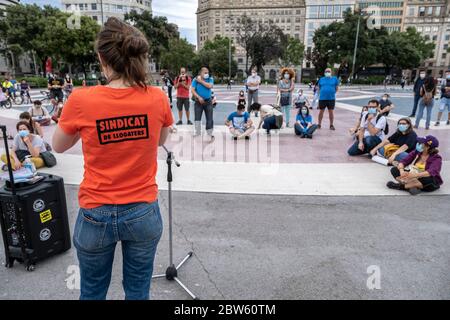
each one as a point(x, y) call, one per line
point(45, 216)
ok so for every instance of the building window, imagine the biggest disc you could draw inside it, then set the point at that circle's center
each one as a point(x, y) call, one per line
point(421, 11)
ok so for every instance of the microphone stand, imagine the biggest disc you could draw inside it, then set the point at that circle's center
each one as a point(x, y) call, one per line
point(172, 271)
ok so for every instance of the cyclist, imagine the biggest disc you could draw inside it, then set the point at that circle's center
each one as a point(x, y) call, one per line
point(68, 85)
point(56, 85)
point(3, 98)
point(8, 85)
point(25, 90)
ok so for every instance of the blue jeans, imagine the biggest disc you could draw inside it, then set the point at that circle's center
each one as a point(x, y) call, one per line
point(287, 111)
point(369, 143)
point(208, 109)
point(270, 123)
point(422, 106)
point(138, 226)
point(398, 158)
point(445, 103)
point(416, 103)
point(300, 131)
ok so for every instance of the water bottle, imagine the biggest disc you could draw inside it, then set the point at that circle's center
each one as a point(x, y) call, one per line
point(28, 164)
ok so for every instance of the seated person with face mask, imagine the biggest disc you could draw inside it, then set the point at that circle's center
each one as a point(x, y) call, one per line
point(25, 144)
point(40, 114)
point(371, 132)
point(304, 126)
point(240, 124)
point(397, 146)
point(420, 170)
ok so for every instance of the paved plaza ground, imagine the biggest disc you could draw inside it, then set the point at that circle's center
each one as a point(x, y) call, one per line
point(278, 217)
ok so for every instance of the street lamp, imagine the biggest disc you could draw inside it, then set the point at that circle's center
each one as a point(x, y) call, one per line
point(229, 48)
point(361, 13)
point(356, 44)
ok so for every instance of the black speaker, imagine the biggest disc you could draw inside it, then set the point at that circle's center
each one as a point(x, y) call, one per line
point(33, 219)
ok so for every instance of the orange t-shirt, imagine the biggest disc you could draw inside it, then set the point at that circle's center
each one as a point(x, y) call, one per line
point(120, 131)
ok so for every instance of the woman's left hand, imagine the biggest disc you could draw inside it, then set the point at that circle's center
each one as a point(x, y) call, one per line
point(26, 139)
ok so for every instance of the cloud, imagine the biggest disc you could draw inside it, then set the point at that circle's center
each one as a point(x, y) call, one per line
point(180, 12)
point(54, 3)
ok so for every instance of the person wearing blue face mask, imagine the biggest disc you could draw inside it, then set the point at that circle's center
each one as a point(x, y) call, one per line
point(25, 144)
point(202, 93)
point(399, 145)
point(285, 89)
point(372, 130)
point(420, 170)
point(304, 126)
point(445, 99)
point(328, 87)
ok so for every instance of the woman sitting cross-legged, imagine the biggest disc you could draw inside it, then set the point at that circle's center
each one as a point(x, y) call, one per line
point(26, 144)
point(399, 145)
point(304, 126)
point(424, 165)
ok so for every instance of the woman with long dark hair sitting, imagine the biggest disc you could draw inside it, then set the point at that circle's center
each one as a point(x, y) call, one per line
point(420, 170)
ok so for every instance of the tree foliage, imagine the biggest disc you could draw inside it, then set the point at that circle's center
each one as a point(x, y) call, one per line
point(335, 44)
point(157, 30)
point(180, 54)
point(215, 55)
point(44, 32)
point(263, 43)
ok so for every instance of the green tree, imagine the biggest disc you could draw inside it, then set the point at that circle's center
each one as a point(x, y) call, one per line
point(263, 43)
point(293, 55)
point(157, 30)
point(335, 43)
point(43, 32)
point(215, 55)
point(180, 54)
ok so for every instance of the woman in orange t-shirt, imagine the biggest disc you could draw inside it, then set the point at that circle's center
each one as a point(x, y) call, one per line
point(121, 126)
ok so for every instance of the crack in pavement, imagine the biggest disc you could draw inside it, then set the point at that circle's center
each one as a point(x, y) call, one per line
point(165, 205)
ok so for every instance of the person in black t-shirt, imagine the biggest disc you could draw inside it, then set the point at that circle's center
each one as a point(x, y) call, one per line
point(56, 86)
point(399, 145)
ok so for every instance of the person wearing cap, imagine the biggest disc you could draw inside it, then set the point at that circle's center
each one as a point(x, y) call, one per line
point(424, 165)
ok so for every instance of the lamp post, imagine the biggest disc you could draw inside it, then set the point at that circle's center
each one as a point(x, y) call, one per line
point(356, 45)
point(229, 59)
point(229, 48)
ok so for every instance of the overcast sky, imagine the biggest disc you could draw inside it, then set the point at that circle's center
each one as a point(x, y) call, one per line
point(181, 12)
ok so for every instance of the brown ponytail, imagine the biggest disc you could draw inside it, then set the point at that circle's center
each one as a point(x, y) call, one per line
point(124, 49)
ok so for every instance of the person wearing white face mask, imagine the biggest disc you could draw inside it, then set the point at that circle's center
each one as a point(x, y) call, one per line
point(371, 133)
point(25, 144)
point(285, 88)
point(328, 87)
point(399, 145)
point(304, 126)
point(417, 86)
point(202, 92)
point(253, 83)
point(445, 98)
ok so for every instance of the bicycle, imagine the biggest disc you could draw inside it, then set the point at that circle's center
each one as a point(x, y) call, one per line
point(24, 96)
point(47, 101)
